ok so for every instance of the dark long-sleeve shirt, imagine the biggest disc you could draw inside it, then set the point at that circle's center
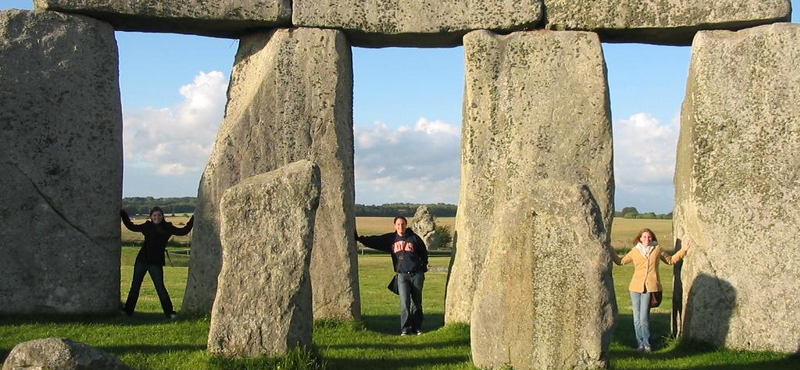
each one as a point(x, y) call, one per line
point(409, 253)
point(155, 237)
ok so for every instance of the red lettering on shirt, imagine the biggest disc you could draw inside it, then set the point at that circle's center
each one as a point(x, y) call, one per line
point(402, 246)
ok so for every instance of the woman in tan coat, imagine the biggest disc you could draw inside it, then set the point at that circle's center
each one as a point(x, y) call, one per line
point(645, 256)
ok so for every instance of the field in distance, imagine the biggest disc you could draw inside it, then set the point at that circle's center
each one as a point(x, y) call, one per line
point(622, 231)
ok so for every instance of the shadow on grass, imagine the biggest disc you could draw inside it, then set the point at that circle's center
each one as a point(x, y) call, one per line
point(404, 346)
point(386, 324)
point(394, 363)
point(138, 319)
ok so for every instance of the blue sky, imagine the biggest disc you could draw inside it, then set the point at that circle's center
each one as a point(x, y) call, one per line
point(173, 96)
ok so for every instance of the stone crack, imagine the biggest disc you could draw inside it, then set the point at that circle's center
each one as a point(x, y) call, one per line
point(53, 207)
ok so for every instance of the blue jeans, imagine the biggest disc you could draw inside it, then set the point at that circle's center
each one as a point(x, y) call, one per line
point(409, 285)
point(641, 317)
point(157, 274)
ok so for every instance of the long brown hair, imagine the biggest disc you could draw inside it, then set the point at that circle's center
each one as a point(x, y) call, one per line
point(639, 236)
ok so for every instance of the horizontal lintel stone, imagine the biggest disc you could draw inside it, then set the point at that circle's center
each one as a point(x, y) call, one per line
point(664, 22)
point(416, 23)
point(218, 18)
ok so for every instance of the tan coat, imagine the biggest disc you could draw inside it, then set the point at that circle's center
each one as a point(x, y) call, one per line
point(646, 269)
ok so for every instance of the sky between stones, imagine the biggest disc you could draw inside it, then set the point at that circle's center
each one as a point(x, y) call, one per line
point(407, 117)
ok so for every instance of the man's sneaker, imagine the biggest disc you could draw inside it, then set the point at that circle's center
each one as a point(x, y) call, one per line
point(418, 332)
point(173, 316)
point(647, 349)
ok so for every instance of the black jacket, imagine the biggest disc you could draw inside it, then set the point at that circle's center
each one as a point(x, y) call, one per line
point(385, 243)
point(155, 237)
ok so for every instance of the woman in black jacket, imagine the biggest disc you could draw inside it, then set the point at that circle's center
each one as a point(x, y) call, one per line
point(410, 260)
point(157, 232)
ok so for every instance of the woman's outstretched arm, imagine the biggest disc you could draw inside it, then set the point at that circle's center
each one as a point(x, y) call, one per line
point(677, 257)
point(127, 222)
point(180, 231)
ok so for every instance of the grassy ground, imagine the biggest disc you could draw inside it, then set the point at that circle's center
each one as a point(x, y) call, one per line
point(150, 341)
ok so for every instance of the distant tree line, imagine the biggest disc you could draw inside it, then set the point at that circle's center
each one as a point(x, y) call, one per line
point(142, 205)
point(404, 209)
point(631, 212)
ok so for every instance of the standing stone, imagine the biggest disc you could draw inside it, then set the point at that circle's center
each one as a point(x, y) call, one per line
point(737, 185)
point(59, 354)
point(546, 298)
point(673, 22)
point(535, 107)
point(424, 225)
point(221, 18)
point(61, 183)
point(263, 304)
point(415, 22)
point(290, 98)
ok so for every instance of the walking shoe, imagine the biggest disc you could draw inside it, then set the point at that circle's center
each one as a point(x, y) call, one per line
point(418, 332)
point(173, 316)
point(647, 349)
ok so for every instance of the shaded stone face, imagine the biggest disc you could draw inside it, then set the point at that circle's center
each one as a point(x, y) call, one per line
point(737, 189)
point(424, 225)
point(415, 22)
point(666, 22)
point(61, 183)
point(535, 107)
point(546, 297)
point(225, 18)
point(60, 354)
point(263, 304)
point(290, 98)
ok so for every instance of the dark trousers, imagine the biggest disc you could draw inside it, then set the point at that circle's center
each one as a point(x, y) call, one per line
point(409, 286)
point(157, 274)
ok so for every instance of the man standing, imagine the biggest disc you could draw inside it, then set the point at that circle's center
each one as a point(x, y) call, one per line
point(410, 259)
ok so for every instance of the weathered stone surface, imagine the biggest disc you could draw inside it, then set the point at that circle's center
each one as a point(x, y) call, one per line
point(669, 22)
point(424, 224)
point(415, 22)
point(61, 183)
point(223, 18)
point(535, 107)
point(290, 98)
point(546, 298)
point(59, 354)
point(263, 304)
point(737, 187)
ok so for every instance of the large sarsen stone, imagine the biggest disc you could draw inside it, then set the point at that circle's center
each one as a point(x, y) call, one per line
point(737, 187)
point(670, 22)
point(290, 98)
point(61, 164)
point(546, 298)
point(222, 18)
point(415, 22)
point(535, 107)
point(263, 304)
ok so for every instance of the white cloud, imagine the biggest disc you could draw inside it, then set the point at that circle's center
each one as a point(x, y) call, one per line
point(419, 164)
point(644, 157)
point(177, 141)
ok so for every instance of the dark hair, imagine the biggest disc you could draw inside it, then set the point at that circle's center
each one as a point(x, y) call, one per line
point(639, 235)
point(399, 218)
point(154, 209)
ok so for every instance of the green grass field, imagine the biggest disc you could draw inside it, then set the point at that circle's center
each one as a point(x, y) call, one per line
point(149, 341)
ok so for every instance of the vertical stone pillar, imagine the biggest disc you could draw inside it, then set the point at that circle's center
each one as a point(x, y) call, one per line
point(290, 98)
point(532, 270)
point(263, 305)
point(737, 185)
point(530, 113)
point(61, 164)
